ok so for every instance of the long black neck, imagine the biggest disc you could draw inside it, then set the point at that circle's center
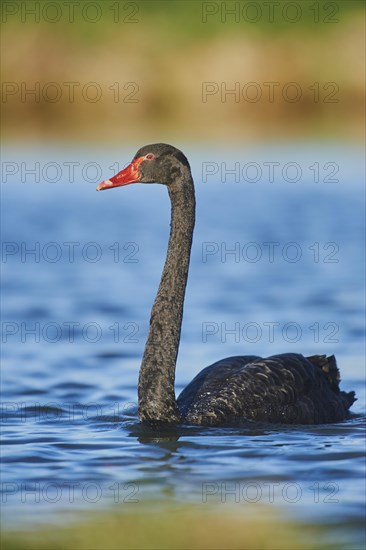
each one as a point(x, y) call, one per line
point(157, 401)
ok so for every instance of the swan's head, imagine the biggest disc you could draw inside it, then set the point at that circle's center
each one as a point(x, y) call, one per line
point(156, 163)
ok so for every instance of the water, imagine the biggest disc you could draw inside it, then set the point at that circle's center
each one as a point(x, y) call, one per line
point(276, 266)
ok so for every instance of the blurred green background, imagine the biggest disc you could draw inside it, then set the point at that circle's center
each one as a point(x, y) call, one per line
point(162, 70)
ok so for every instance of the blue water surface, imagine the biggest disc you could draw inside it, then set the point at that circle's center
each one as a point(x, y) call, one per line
point(277, 265)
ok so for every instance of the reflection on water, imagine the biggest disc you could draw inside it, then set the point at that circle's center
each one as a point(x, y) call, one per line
point(80, 270)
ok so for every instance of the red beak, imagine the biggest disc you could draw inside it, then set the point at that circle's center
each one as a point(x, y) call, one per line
point(130, 174)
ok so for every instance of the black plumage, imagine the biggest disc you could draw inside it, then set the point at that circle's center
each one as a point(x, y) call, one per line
point(287, 388)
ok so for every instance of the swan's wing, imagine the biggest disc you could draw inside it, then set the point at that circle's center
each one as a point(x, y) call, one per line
point(212, 379)
point(287, 388)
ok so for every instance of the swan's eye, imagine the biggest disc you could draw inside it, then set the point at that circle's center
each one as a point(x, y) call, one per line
point(149, 156)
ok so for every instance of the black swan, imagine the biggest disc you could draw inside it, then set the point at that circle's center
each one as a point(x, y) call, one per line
point(287, 388)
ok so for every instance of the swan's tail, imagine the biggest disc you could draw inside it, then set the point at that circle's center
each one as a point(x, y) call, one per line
point(330, 369)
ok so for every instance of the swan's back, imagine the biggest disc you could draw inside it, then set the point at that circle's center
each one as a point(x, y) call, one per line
point(287, 388)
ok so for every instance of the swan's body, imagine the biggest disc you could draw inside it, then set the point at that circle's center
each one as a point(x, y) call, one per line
point(287, 388)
